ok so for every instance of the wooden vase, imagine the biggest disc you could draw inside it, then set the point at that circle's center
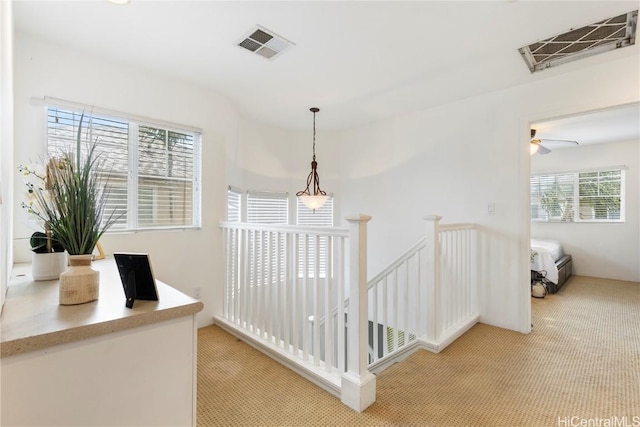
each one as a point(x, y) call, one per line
point(80, 283)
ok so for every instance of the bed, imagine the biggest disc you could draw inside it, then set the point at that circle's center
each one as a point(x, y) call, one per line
point(548, 258)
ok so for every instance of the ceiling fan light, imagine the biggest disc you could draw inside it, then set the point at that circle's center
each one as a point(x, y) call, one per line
point(313, 202)
point(533, 148)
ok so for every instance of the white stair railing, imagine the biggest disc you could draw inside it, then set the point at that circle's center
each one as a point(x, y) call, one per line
point(284, 288)
point(427, 297)
point(301, 295)
point(451, 282)
point(275, 288)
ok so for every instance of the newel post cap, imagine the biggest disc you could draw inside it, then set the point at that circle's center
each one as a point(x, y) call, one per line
point(358, 218)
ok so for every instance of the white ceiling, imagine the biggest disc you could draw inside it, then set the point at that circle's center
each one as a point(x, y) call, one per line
point(357, 61)
point(619, 124)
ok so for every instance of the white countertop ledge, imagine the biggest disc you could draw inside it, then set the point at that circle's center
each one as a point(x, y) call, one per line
point(32, 318)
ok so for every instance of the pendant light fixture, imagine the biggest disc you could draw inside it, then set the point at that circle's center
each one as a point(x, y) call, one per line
point(312, 196)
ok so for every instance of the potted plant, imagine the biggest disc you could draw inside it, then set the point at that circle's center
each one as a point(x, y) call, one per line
point(72, 205)
point(48, 257)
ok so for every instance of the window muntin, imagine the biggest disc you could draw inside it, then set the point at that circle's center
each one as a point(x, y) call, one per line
point(586, 196)
point(151, 169)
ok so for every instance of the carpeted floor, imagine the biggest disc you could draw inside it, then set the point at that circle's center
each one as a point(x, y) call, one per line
point(580, 364)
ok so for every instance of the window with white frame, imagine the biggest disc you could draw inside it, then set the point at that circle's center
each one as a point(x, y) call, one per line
point(322, 217)
point(234, 205)
point(152, 169)
point(585, 196)
point(267, 208)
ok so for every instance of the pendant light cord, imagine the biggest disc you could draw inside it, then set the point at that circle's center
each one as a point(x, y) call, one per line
point(314, 135)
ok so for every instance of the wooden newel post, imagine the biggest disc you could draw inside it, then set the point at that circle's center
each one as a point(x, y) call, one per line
point(433, 293)
point(358, 384)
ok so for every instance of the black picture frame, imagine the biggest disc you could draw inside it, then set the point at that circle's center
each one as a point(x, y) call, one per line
point(137, 277)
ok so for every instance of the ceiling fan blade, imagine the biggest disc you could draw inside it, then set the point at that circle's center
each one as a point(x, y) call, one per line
point(543, 150)
point(559, 140)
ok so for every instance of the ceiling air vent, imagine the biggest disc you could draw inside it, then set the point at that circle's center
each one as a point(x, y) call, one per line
point(612, 33)
point(264, 42)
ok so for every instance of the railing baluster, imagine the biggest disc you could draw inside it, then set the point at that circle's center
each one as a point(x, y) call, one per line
point(405, 295)
point(225, 289)
point(340, 274)
point(262, 284)
point(245, 279)
point(305, 311)
point(328, 304)
point(236, 273)
point(296, 295)
point(287, 280)
point(278, 291)
point(385, 319)
point(373, 309)
point(316, 302)
point(395, 310)
point(268, 289)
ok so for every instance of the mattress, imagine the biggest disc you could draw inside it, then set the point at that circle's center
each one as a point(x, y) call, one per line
point(544, 254)
point(554, 247)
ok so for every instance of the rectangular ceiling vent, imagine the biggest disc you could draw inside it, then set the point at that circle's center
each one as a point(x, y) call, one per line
point(264, 42)
point(612, 33)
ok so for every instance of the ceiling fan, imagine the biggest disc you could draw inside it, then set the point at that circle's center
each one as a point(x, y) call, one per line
point(537, 147)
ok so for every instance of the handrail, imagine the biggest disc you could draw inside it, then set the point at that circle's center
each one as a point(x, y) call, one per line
point(456, 227)
point(285, 228)
point(395, 264)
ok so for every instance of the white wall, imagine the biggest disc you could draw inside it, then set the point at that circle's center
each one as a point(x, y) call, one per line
point(600, 250)
point(183, 259)
point(6, 145)
point(453, 160)
point(457, 159)
point(272, 159)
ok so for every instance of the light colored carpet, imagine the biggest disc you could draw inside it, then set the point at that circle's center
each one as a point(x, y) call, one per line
point(581, 362)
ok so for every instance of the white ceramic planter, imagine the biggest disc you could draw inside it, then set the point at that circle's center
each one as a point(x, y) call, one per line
point(48, 266)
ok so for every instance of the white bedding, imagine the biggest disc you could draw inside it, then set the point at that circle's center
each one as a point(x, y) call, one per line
point(554, 247)
point(544, 254)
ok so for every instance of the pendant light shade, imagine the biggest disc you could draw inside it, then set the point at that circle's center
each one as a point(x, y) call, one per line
point(312, 196)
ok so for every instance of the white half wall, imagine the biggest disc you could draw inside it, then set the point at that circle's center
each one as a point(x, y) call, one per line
point(610, 250)
point(183, 259)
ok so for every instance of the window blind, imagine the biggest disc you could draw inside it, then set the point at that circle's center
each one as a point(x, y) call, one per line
point(151, 171)
point(585, 196)
point(552, 197)
point(234, 205)
point(267, 208)
point(600, 195)
point(322, 217)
